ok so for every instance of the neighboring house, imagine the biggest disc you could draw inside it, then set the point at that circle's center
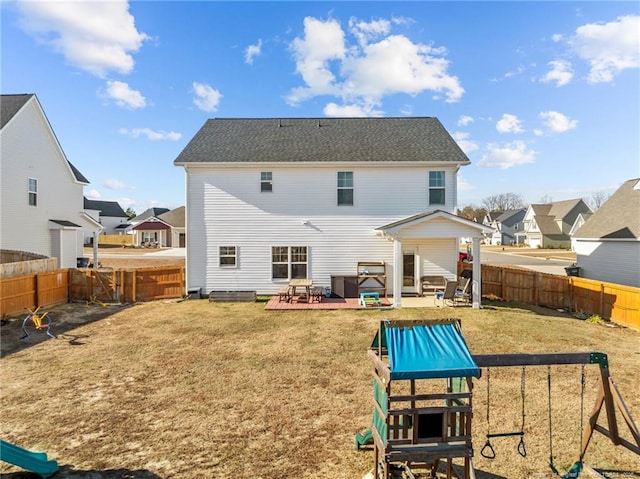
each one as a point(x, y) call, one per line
point(508, 227)
point(548, 225)
point(608, 244)
point(109, 214)
point(269, 200)
point(176, 219)
point(41, 192)
point(159, 227)
point(577, 224)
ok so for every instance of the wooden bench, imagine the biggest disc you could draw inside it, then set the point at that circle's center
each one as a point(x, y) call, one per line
point(432, 284)
point(284, 294)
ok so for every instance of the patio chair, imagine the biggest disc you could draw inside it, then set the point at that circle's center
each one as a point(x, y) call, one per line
point(284, 294)
point(463, 294)
point(449, 292)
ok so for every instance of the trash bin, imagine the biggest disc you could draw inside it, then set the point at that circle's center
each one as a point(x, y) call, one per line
point(82, 262)
point(573, 270)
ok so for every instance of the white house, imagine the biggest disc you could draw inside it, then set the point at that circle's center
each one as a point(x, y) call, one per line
point(268, 200)
point(41, 192)
point(548, 225)
point(109, 214)
point(608, 244)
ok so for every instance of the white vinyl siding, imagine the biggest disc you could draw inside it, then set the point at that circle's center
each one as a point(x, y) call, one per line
point(30, 150)
point(224, 208)
point(615, 261)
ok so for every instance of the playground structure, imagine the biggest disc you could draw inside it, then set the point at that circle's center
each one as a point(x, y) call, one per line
point(418, 422)
point(37, 462)
point(41, 322)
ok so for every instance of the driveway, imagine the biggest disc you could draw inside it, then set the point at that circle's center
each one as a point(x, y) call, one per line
point(543, 261)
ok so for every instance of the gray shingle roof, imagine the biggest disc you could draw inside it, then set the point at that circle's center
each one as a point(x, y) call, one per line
point(175, 217)
point(106, 208)
point(148, 213)
point(618, 217)
point(297, 140)
point(10, 105)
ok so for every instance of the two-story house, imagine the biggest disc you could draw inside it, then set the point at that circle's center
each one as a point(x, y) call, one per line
point(41, 192)
point(508, 227)
point(548, 225)
point(109, 214)
point(268, 200)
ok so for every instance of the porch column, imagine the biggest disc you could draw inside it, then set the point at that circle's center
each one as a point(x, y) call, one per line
point(96, 240)
point(475, 285)
point(397, 273)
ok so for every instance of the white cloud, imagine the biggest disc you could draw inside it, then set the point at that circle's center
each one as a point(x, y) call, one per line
point(252, 51)
point(93, 194)
point(464, 120)
point(127, 203)
point(560, 72)
point(124, 96)
point(509, 124)
point(463, 141)
point(507, 156)
point(112, 184)
point(207, 98)
point(375, 65)
point(368, 31)
point(97, 37)
point(609, 48)
point(151, 134)
point(557, 122)
point(352, 111)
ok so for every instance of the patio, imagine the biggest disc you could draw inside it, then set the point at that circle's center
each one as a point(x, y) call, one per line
point(351, 303)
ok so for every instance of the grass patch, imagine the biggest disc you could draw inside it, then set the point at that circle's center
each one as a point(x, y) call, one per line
point(196, 389)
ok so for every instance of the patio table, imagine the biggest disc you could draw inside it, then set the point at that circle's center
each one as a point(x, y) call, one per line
point(300, 283)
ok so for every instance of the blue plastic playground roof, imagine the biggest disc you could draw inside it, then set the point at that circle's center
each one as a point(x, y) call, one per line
point(428, 351)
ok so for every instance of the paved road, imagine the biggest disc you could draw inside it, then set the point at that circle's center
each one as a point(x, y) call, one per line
point(551, 266)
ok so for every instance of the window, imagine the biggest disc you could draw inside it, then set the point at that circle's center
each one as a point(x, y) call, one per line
point(33, 192)
point(149, 237)
point(266, 182)
point(228, 256)
point(436, 188)
point(288, 262)
point(345, 188)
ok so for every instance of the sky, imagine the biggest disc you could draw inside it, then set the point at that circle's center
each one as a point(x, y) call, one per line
point(543, 97)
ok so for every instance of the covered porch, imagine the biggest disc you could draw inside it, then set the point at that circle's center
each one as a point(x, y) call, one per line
point(428, 244)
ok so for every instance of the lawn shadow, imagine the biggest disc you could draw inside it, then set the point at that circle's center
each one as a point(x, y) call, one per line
point(64, 319)
point(68, 472)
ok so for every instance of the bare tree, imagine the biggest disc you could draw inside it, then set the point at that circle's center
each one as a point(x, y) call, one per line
point(597, 199)
point(545, 200)
point(473, 213)
point(503, 202)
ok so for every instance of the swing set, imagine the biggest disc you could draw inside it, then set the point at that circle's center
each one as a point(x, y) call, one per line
point(608, 396)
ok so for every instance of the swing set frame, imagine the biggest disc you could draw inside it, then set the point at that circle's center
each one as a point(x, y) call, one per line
point(609, 396)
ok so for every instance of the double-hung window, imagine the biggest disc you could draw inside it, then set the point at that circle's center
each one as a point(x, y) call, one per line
point(228, 257)
point(33, 192)
point(345, 188)
point(266, 182)
point(436, 188)
point(289, 262)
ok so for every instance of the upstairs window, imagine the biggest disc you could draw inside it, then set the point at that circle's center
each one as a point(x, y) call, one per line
point(345, 188)
point(436, 188)
point(289, 262)
point(266, 182)
point(228, 257)
point(33, 192)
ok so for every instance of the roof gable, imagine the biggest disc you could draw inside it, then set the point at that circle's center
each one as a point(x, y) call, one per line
point(618, 217)
point(10, 105)
point(300, 140)
point(175, 217)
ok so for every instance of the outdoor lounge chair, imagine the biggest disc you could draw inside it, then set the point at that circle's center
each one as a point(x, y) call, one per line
point(449, 293)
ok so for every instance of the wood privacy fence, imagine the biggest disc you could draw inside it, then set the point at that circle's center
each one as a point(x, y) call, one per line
point(618, 303)
point(19, 293)
point(116, 239)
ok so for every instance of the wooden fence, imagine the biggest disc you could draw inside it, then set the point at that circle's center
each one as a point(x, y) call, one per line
point(124, 240)
point(618, 303)
point(19, 293)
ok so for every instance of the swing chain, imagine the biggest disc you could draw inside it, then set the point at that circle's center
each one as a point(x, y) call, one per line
point(487, 451)
point(522, 450)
